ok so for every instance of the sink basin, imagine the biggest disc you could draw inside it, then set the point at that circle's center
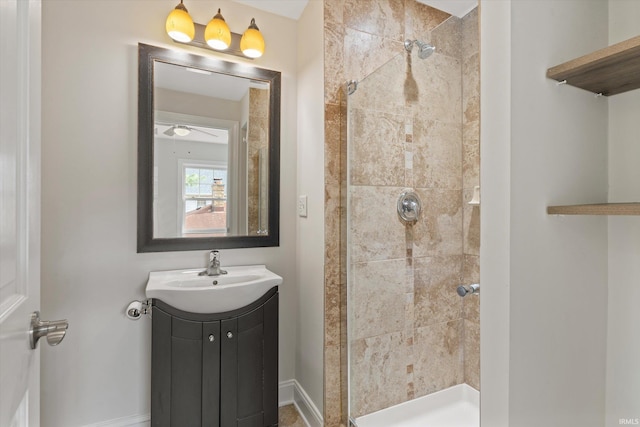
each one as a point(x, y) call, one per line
point(185, 290)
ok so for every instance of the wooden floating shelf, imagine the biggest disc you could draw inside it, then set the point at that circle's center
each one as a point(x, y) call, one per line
point(608, 71)
point(596, 209)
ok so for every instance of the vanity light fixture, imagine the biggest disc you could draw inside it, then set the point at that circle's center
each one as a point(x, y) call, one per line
point(179, 24)
point(252, 43)
point(216, 35)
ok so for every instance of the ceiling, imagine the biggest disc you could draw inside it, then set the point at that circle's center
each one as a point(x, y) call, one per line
point(293, 8)
point(190, 80)
point(288, 8)
point(457, 8)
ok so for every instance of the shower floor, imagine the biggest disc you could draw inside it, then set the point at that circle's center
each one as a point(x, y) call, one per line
point(457, 406)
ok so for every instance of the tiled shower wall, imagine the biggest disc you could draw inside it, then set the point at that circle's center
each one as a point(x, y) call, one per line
point(409, 328)
point(470, 56)
point(257, 142)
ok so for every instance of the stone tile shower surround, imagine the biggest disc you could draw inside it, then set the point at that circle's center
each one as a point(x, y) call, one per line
point(415, 124)
point(470, 56)
point(405, 318)
point(257, 143)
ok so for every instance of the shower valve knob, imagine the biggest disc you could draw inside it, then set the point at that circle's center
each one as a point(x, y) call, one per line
point(472, 289)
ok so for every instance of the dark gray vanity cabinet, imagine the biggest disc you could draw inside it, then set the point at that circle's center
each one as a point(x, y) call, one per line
point(215, 370)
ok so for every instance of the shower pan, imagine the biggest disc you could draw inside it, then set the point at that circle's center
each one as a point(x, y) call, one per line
point(412, 341)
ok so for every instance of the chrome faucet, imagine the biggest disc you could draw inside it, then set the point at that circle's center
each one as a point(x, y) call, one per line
point(213, 269)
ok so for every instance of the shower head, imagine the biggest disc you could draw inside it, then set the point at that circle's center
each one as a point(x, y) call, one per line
point(424, 49)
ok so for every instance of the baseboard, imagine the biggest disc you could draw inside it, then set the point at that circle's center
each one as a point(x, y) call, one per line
point(289, 393)
point(131, 421)
point(286, 392)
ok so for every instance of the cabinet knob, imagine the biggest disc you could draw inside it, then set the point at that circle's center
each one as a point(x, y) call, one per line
point(229, 334)
point(211, 338)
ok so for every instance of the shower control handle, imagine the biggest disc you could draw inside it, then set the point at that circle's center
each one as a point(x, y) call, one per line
point(472, 289)
point(409, 206)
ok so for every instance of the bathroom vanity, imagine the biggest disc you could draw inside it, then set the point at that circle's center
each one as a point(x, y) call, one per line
point(217, 369)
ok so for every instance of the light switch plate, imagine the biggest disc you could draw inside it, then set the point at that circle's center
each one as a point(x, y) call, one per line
point(302, 206)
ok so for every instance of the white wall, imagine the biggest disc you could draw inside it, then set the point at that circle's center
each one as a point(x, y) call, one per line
point(495, 185)
point(310, 239)
point(196, 105)
point(623, 350)
point(90, 268)
point(557, 266)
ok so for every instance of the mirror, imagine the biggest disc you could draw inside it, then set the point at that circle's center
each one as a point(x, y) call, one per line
point(208, 153)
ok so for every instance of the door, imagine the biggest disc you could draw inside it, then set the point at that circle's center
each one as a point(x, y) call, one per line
point(19, 209)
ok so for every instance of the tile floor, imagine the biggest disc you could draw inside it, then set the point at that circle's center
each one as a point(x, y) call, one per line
point(288, 417)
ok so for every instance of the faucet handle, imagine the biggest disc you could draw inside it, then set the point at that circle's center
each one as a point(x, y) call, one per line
point(214, 255)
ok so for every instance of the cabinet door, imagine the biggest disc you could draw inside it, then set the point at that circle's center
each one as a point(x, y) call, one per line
point(176, 371)
point(270, 396)
point(249, 368)
point(228, 373)
point(211, 374)
point(160, 368)
point(185, 372)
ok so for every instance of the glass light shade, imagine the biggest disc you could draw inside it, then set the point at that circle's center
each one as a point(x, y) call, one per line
point(252, 42)
point(179, 24)
point(181, 130)
point(217, 33)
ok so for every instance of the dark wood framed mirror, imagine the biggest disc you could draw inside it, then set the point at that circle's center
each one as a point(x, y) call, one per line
point(208, 152)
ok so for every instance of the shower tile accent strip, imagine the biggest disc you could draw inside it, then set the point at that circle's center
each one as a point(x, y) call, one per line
point(408, 153)
point(416, 132)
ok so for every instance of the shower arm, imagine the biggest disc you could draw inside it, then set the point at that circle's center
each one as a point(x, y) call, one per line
point(408, 45)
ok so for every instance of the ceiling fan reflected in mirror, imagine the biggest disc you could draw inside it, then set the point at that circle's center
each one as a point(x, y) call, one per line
point(179, 130)
point(183, 130)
